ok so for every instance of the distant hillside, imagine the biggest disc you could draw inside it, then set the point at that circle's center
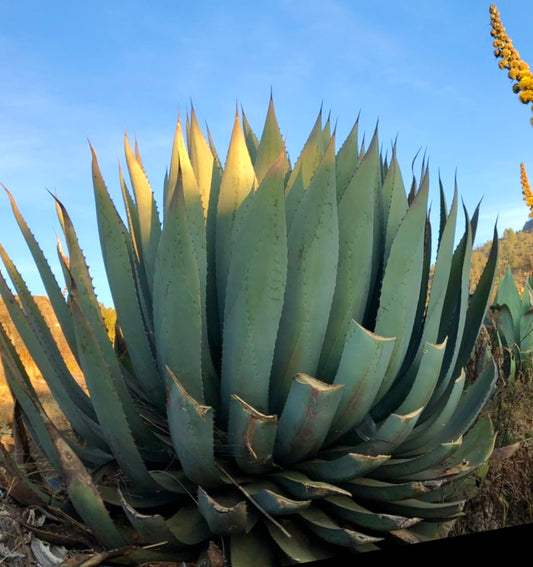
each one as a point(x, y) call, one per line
point(516, 251)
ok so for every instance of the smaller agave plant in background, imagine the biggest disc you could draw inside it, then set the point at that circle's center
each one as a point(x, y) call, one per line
point(286, 378)
point(512, 317)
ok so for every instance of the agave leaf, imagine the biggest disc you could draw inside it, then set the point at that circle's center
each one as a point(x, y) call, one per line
point(271, 146)
point(395, 203)
point(146, 208)
point(22, 390)
point(389, 434)
point(51, 286)
point(328, 530)
point(371, 489)
point(274, 501)
point(115, 410)
point(88, 320)
point(422, 437)
point(303, 488)
point(306, 418)
point(24, 487)
point(83, 493)
point(362, 367)
point(177, 301)
point(117, 251)
point(202, 161)
point(350, 511)
point(252, 143)
point(454, 310)
point(408, 469)
point(410, 395)
point(196, 223)
point(254, 296)
point(41, 345)
point(356, 266)
point(471, 403)
point(253, 548)
point(440, 511)
point(227, 517)
point(477, 445)
point(478, 306)
point(343, 468)
point(192, 432)
point(237, 183)
point(304, 169)
point(144, 294)
point(252, 436)
point(403, 272)
point(151, 527)
point(433, 315)
point(347, 161)
point(188, 525)
point(298, 545)
point(312, 264)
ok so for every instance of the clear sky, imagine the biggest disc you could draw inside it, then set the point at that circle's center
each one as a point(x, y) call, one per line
point(77, 71)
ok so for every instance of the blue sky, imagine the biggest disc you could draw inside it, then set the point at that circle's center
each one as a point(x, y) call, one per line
point(73, 71)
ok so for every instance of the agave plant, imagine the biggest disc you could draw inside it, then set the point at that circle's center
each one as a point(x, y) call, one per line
point(286, 378)
point(513, 322)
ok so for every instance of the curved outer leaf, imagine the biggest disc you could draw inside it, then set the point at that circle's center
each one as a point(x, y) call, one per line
point(274, 501)
point(117, 251)
point(312, 265)
point(177, 301)
point(252, 436)
point(371, 489)
point(454, 311)
point(32, 328)
point(303, 488)
point(149, 223)
point(254, 296)
point(237, 183)
point(361, 370)
point(224, 519)
point(348, 510)
point(356, 263)
point(426, 431)
point(328, 530)
point(402, 274)
point(478, 307)
point(151, 527)
point(297, 544)
point(433, 315)
point(346, 467)
point(389, 434)
point(49, 281)
point(408, 399)
point(408, 469)
point(192, 432)
point(113, 406)
point(305, 419)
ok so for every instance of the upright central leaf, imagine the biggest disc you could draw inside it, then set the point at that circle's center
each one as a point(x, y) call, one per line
point(238, 181)
point(313, 248)
point(254, 297)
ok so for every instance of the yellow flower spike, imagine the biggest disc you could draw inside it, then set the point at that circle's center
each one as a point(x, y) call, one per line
point(526, 189)
point(509, 58)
